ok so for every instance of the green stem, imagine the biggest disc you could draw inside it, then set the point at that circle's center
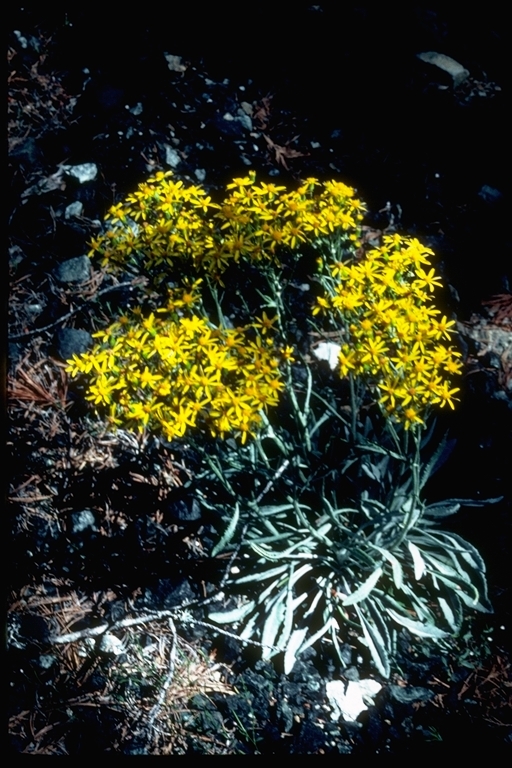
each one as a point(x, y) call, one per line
point(220, 314)
point(353, 408)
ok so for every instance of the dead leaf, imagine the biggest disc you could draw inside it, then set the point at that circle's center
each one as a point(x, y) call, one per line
point(283, 153)
point(261, 113)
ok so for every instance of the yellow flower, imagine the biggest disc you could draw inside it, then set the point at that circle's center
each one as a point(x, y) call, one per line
point(265, 323)
point(411, 417)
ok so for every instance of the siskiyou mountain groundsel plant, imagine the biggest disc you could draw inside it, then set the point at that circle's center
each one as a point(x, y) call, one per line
point(315, 472)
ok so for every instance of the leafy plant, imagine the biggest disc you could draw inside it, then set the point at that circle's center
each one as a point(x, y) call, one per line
point(318, 480)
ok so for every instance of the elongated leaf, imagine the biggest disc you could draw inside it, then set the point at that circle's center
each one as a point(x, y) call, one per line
point(274, 509)
point(398, 574)
point(418, 604)
point(229, 532)
point(262, 575)
point(321, 632)
point(436, 460)
point(364, 590)
point(318, 424)
point(481, 603)
point(428, 469)
point(469, 553)
point(444, 509)
point(318, 596)
point(417, 627)
point(376, 644)
point(293, 649)
point(272, 626)
point(375, 609)
point(229, 617)
point(288, 618)
point(250, 627)
point(446, 570)
point(455, 604)
point(470, 502)
point(418, 561)
point(374, 448)
point(448, 614)
point(296, 575)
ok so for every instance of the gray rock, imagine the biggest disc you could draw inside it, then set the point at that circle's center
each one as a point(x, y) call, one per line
point(186, 511)
point(76, 270)
point(244, 119)
point(26, 151)
point(83, 521)
point(83, 172)
point(489, 194)
point(46, 660)
point(72, 341)
point(74, 209)
point(172, 158)
point(409, 694)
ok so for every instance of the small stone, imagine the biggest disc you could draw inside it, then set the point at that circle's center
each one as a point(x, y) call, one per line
point(186, 511)
point(200, 174)
point(83, 172)
point(76, 270)
point(74, 209)
point(244, 119)
point(21, 40)
point(46, 661)
point(489, 194)
point(72, 341)
point(82, 521)
point(175, 63)
point(111, 645)
point(172, 158)
point(409, 694)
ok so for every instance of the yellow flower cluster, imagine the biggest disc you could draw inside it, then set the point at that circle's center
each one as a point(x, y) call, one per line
point(182, 371)
point(174, 371)
point(165, 224)
point(393, 336)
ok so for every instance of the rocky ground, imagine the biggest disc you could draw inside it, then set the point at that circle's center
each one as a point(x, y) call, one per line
point(104, 542)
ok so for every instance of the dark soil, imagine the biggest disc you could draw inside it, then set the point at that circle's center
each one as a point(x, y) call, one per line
point(101, 528)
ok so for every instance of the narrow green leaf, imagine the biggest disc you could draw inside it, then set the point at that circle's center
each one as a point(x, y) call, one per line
point(434, 462)
point(375, 643)
point(444, 509)
point(268, 554)
point(448, 614)
point(417, 627)
point(296, 575)
point(313, 638)
point(288, 618)
point(418, 561)
point(398, 574)
point(293, 649)
point(274, 509)
point(262, 575)
point(229, 532)
point(230, 617)
point(271, 627)
point(364, 590)
point(318, 424)
point(376, 610)
point(316, 599)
